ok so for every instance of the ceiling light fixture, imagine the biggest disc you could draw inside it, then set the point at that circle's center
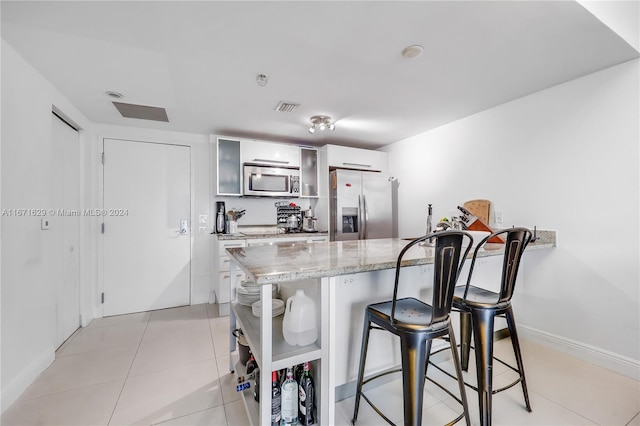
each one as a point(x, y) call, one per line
point(262, 79)
point(412, 51)
point(321, 122)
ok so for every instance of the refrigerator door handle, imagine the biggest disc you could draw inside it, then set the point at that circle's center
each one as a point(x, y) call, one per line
point(364, 217)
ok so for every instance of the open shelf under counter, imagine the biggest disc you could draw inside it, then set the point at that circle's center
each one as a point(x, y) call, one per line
point(251, 406)
point(283, 354)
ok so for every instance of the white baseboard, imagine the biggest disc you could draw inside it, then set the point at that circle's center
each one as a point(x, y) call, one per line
point(598, 356)
point(12, 391)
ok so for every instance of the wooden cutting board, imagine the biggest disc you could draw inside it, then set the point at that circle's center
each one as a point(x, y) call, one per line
point(480, 209)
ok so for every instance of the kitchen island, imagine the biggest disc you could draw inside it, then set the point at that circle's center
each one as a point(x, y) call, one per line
point(349, 275)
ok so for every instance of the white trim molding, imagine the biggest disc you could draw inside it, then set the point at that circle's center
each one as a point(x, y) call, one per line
point(21, 382)
point(598, 356)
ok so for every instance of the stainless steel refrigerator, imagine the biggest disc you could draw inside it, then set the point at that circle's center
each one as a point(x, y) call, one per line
point(361, 205)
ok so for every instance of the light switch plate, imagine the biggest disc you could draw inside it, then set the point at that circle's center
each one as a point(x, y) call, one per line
point(202, 219)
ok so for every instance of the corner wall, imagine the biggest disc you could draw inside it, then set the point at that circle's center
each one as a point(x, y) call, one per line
point(28, 292)
point(566, 158)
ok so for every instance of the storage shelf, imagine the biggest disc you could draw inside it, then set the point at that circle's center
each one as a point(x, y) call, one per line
point(283, 354)
point(252, 407)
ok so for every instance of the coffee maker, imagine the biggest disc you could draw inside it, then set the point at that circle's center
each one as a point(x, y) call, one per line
point(309, 222)
point(221, 218)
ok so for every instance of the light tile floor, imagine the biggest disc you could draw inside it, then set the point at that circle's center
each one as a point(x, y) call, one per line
point(170, 367)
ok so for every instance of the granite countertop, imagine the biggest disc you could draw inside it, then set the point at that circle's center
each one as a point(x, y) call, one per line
point(265, 231)
point(298, 260)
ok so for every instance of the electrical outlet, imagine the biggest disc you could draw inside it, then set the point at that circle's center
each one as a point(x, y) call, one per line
point(348, 280)
point(202, 229)
point(202, 219)
point(498, 217)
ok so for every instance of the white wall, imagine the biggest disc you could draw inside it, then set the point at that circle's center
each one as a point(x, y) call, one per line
point(566, 158)
point(28, 289)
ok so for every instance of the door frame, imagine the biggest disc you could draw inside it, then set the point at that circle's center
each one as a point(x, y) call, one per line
point(159, 141)
point(57, 114)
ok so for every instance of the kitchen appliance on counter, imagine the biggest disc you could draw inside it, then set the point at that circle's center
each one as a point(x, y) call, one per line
point(288, 217)
point(360, 205)
point(310, 221)
point(271, 181)
point(221, 218)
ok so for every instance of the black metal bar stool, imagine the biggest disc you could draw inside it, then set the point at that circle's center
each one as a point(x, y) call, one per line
point(417, 324)
point(479, 307)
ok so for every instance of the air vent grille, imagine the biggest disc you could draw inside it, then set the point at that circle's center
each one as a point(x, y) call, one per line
point(286, 107)
point(142, 112)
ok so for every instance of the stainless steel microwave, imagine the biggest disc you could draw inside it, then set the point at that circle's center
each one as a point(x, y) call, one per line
point(271, 181)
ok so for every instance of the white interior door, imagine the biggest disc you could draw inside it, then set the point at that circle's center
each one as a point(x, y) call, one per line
point(65, 227)
point(147, 235)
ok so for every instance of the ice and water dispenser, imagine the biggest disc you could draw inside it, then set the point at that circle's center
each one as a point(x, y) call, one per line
point(349, 220)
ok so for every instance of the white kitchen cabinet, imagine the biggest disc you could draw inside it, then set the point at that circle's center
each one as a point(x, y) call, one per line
point(228, 167)
point(309, 172)
point(276, 154)
point(222, 272)
point(344, 157)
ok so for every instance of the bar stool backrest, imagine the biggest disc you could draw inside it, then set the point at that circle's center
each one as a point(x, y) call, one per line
point(516, 241)
point(448, 263)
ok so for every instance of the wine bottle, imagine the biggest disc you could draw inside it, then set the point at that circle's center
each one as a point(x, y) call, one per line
point(289, 400)
point(306, 394)
point(275, 400)
point(256, 384)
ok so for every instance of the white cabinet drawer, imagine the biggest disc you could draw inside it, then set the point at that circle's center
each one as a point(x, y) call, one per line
point(345, 157)
point(278, 154)
point(319, 239)
point(224, 295)
point(224, 263)
point(225, 244)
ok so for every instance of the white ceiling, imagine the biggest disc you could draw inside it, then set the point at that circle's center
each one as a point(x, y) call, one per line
point(199, 60)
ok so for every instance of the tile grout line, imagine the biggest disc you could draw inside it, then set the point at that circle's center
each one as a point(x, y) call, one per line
point(632, 418)
point(129, 371)
point(215, 360)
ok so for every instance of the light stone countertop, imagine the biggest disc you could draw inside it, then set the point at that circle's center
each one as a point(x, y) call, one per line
point(298, 260)
point(265, 231)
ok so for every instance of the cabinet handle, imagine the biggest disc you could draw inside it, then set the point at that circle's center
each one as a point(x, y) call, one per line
point(232, 245)
point(357, 164)
point(263, 160)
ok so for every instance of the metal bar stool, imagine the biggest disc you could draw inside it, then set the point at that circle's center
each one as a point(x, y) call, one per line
point(479, 307)
point(417, 324)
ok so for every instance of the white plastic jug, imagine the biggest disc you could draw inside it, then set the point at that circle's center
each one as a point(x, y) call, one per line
point(299, 323)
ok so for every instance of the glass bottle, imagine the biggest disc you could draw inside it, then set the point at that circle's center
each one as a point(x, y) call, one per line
point(306, 394)
point(289, 396)
point(275, 400)
point(252, 367)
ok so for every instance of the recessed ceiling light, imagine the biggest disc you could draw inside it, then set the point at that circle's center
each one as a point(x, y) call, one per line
point(412, 51)
point(114, 94)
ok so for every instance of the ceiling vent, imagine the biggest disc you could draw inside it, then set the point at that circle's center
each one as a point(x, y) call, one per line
point(142, 112)
point(286, 107)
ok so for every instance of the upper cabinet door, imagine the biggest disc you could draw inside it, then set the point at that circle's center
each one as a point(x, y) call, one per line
point(308, 172)
point(276, 154)
point(229, 170)
point(344, 157)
